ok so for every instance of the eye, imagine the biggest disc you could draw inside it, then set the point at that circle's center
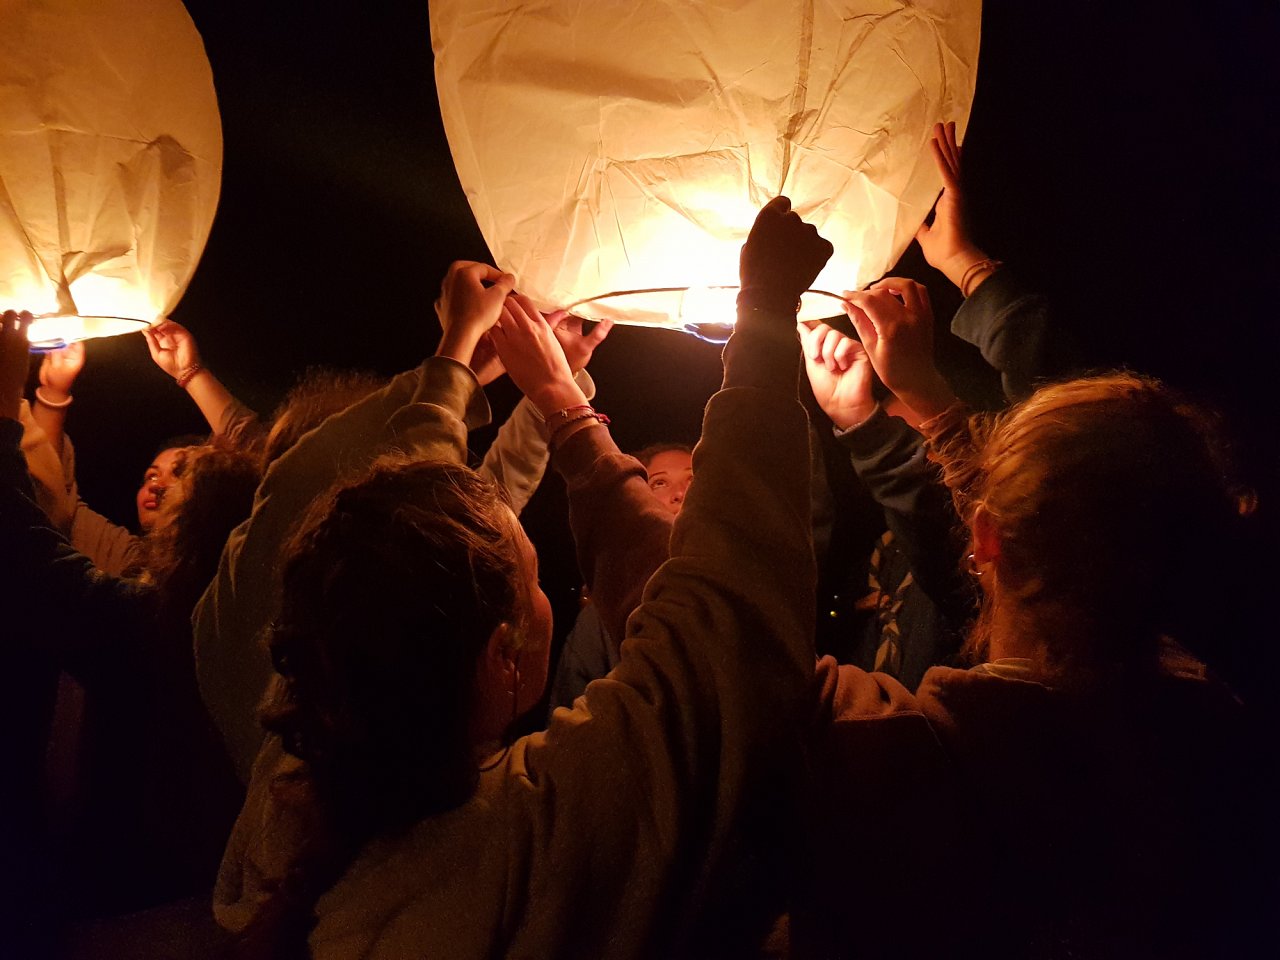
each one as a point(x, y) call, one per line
point(657, 484)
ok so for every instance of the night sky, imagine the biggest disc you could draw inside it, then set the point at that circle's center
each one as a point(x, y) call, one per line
point(1127, 162)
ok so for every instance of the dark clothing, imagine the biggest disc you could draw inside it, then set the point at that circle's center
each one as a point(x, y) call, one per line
point(992, 815)
point(919, 598)
point(161, 793)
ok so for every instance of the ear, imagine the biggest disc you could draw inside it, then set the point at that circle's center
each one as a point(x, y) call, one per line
point(986, 536)
point(495, 671)
point(499, 659)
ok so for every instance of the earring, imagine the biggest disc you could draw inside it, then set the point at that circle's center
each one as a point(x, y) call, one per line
point(515, 691)
point(971, 564)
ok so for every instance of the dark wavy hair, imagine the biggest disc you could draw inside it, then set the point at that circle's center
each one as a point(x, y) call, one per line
point(1111, 495)
point(182, 552)
point(646, 454)
point(391, 590)
point(319, 393)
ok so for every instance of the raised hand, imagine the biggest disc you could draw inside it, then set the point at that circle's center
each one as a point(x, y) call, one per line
point(470, 303)
point(780, 259)
point(59, 369)
point(172, 347)
point(15, 359)
point(840, 373)
point(532, 354)
point(946, 242)
point(894, 321)
point(578, 346)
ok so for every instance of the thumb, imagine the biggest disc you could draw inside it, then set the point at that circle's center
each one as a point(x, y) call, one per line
point(504, 284)
point(596, 336)
point(862, 323)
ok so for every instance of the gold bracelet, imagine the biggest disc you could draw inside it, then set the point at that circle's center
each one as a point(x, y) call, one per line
point(975, 270)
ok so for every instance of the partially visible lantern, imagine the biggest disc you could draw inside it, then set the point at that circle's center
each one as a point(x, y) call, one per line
point(110, 162)
point(615, 154)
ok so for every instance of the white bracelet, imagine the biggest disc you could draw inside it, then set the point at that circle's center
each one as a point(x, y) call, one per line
point(46, 402)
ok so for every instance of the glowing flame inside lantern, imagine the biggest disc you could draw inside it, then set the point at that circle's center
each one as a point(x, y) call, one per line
point(614, 155)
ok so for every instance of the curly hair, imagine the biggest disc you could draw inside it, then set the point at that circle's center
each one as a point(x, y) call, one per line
point(319, 393)
point(181, 554)
point(1108, 493)
point(391, 590)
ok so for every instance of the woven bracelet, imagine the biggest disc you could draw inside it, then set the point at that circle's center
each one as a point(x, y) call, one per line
point(588, 414)
point(186, 375)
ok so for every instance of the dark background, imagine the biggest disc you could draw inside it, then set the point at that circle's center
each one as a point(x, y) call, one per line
point(1126, 160)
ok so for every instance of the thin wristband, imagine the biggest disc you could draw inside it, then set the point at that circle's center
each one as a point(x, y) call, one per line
point(979, 270)
point(570, 424)
point(183, 378)
point(554, 421)
point(46, 402)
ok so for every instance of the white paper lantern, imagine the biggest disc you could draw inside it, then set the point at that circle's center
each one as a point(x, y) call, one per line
point(110, 162)
point(614, 147)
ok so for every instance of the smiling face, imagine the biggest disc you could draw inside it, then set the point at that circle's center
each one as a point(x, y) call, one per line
point(670, 473)
point(160, 477)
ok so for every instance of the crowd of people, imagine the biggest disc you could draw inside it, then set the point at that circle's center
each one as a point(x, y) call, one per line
point(296, 690)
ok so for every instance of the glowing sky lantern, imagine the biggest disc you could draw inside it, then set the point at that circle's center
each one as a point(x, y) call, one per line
point(110, 162)
point(615, 153)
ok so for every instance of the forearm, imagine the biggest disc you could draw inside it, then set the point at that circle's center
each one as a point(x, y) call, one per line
point(517, 458)
point(54, 493)
point(49, 418)
point(621, 533)
point(1014, 329)
point(891, 460)
point(967, 269)
point(213, 399)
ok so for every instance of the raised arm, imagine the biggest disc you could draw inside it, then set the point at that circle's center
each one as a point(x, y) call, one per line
point(175, 351)
point(85, 616)
point(58, 372)
point(517, 458)
point(425, 412)
point(890, 459)
point(1011, 324)
point(666, 756)
point(620, 531)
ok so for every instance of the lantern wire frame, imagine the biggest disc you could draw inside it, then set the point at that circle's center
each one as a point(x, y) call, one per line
point(691, 306)
point(55, 332)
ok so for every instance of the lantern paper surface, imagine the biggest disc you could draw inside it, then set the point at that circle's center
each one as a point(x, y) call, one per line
point(610, 147)
point(110, 162)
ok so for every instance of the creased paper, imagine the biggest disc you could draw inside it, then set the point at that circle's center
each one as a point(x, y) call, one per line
point(609, 147)
point(110, 162)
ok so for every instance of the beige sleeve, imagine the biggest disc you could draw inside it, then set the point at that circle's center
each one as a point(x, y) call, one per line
point(426, 413)
point(54, 487)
